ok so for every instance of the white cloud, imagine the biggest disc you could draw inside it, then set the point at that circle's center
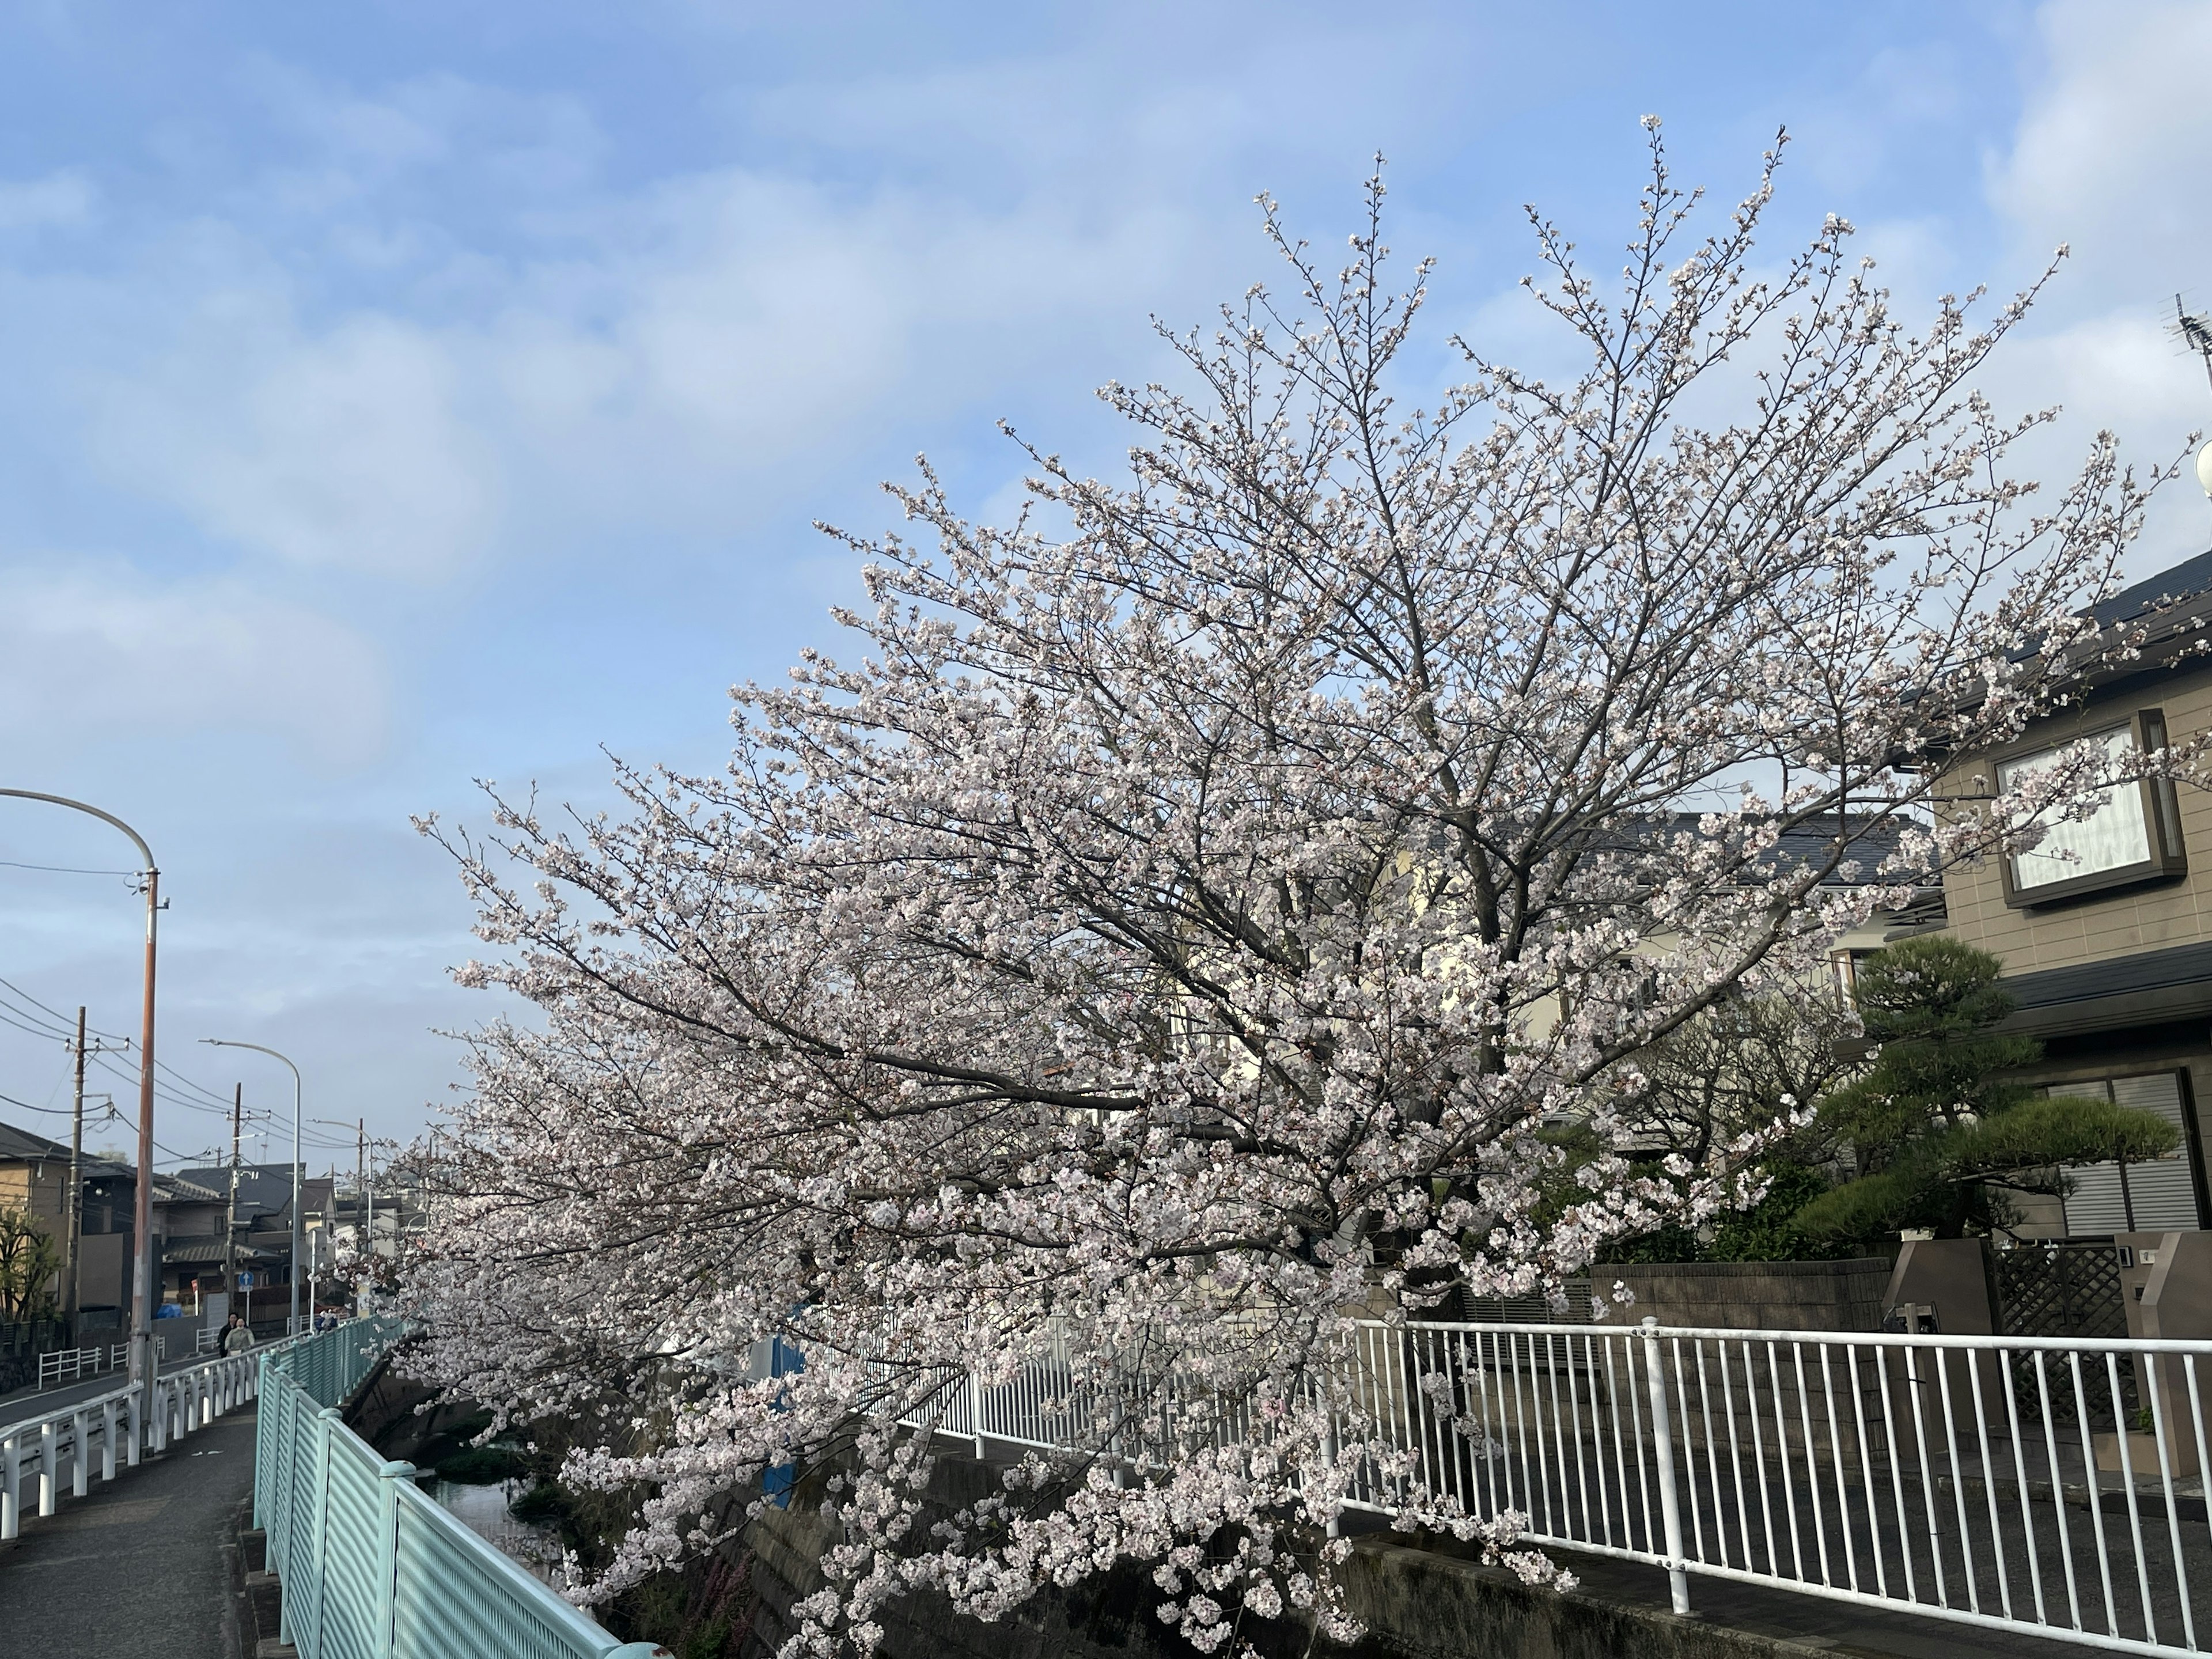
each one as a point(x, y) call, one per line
point(93, 648)
point(349, 447)
point(2108, 158)
point(65, 198)
point(2110, 151)
point(723, 332)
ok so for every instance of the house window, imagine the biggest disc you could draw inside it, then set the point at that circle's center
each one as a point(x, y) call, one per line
point(2157, 1195)
point(2133, 836)
point(1845, 965)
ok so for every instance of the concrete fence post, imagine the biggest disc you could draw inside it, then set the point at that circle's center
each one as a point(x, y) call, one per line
point(1663, 1440)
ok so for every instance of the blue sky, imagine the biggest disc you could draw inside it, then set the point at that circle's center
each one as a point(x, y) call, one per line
point(392, 396)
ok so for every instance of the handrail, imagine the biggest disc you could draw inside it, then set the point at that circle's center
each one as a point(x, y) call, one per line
point(369, 1565)
point(2050, 1486)
point(62, 1440)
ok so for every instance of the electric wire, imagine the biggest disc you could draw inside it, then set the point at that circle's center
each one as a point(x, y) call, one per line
point(65, 1028)
point(65, 869)
point(7, 1018)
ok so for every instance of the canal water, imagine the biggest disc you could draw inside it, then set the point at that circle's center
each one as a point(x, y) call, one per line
point(482, 1510)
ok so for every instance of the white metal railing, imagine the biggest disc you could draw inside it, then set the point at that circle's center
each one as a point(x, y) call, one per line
point(61, 1366)
point(2049, 1486)
point(113, 1431)
point(74, 1364)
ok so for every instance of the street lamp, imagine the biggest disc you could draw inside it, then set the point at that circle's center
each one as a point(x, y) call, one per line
point(293, 1328)
point(143, 1287)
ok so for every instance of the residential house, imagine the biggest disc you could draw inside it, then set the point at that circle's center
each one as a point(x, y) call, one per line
point(34, 1172)
point(2105, 927)
point(261, 1233)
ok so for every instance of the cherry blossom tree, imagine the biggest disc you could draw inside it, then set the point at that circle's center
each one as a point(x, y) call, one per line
point(1165, 936)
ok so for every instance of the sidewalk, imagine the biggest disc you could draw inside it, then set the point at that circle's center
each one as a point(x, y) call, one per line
point(137, 1569)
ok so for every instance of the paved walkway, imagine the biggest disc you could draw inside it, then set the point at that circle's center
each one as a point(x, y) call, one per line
point(1813, 1620)
point(137, 1569)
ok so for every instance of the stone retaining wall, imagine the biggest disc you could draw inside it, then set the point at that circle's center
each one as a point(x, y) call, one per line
point(1751, 1296)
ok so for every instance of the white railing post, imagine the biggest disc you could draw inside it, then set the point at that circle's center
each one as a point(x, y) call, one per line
point(1328, 1462)
point(11, 1485)
point(389, 1476)
point(110, 1424)
point(976, 1413)
point(50, 1447)
point(1662, 1438)
point(81, 1459)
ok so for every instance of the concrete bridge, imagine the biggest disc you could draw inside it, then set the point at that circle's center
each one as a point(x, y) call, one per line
point(127, 1520)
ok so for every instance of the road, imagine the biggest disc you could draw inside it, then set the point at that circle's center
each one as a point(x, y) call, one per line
point(136, 1570)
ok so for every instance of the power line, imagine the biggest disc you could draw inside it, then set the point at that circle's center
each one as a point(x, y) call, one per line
point(7, 1018)
point(66, 869)
point(66, 1026)
point(161, 1091)
point(63, 1020)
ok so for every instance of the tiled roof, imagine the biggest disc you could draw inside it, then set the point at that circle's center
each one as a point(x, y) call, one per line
point(2183, 582)
point(191, 1252)
point(26, 1145)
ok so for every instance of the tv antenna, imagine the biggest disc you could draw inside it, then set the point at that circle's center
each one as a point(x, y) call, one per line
point(2194, 330)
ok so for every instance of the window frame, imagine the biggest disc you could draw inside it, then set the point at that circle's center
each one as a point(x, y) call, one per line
point(2161, 817)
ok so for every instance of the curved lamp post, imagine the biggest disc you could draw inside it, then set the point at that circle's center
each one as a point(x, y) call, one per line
point(292, 1329)
point(143, 1289)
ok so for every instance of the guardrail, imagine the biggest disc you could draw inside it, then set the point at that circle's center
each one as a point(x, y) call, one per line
point(59, 1366)
point(112, 1428)
point(2045, 1485)
point(370, 1566)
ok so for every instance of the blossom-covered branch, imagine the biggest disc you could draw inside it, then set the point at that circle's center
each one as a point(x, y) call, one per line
point(1165, 934)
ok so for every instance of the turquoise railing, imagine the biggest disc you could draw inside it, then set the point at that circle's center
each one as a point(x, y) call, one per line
point(371, 1568)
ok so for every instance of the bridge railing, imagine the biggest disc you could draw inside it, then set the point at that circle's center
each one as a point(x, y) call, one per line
point(370, 1566)
point(112, 1431)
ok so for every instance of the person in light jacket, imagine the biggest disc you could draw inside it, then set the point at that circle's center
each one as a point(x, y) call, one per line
point(237, 1339)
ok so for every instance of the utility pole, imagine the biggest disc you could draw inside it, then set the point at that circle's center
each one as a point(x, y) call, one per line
point(73, 1228)
point(298, 1169)
point(360, 1174)
point(230, 1216)
point(72, 1274)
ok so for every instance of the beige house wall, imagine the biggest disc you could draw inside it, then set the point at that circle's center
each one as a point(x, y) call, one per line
point(2151, 917)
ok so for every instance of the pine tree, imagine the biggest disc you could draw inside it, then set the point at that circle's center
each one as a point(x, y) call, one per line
point(1941, 1133)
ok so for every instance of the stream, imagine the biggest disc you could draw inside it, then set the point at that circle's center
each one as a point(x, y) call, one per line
point(483, 1510)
